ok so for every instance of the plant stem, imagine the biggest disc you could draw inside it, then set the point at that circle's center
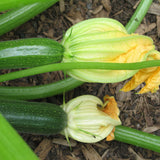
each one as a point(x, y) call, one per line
point(42, 91)
point(10, 4)
point(12, 146)
point(18, 16)
point(137, 138)
point(79, 65)
point(138, 15)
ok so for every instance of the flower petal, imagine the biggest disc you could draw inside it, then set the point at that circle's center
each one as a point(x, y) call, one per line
point(111, 108)
point(110, 137)
point(151, 76)
point(152, 82)
point(137, 79)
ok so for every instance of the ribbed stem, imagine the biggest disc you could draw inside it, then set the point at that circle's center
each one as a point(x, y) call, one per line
point(137, 138)
point(138, 15)
point(18, 16)
point(12, 146)
point(79, 65)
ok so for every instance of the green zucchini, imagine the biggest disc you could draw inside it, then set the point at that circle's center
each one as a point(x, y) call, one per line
point(31, 52)
point(18, 16)
point(41, 91)
point(34, 117)
point(10, 4)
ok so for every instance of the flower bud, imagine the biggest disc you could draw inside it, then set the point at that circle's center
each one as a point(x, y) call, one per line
point(104, 40)
point(89, 119)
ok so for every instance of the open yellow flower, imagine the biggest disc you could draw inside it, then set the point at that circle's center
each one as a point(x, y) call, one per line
point(106, 40)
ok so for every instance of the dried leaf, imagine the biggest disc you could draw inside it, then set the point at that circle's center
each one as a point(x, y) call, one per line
point(97, 10)
point(151, 129)
point(144, 28)
point(154, 9)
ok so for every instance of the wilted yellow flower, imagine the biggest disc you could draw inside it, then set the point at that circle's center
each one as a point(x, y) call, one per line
point(89, 119)
point(112, 110)
point(106, 40)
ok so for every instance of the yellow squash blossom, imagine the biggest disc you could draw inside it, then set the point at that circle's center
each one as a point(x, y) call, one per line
point(106, 40)
point(89, 119)
point(151, 77)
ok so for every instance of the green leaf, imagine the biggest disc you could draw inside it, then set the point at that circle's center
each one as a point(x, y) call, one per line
point(12, 146)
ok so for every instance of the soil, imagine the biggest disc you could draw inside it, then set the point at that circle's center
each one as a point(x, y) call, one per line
point(141, 112)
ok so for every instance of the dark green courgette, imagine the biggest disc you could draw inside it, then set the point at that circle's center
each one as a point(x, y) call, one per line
point(34, 117)
point(10, 4)
point(29, 53)
point(20, 15)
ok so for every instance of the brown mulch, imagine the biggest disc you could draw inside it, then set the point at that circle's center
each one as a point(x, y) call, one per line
point(141, 112)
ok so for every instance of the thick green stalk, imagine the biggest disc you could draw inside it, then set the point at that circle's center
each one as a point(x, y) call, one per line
point(18, 16)
point(42, 91)
point(79, 65)
point(12, 146)
point(138, 15)
point(137, 138)
point(9, 4)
